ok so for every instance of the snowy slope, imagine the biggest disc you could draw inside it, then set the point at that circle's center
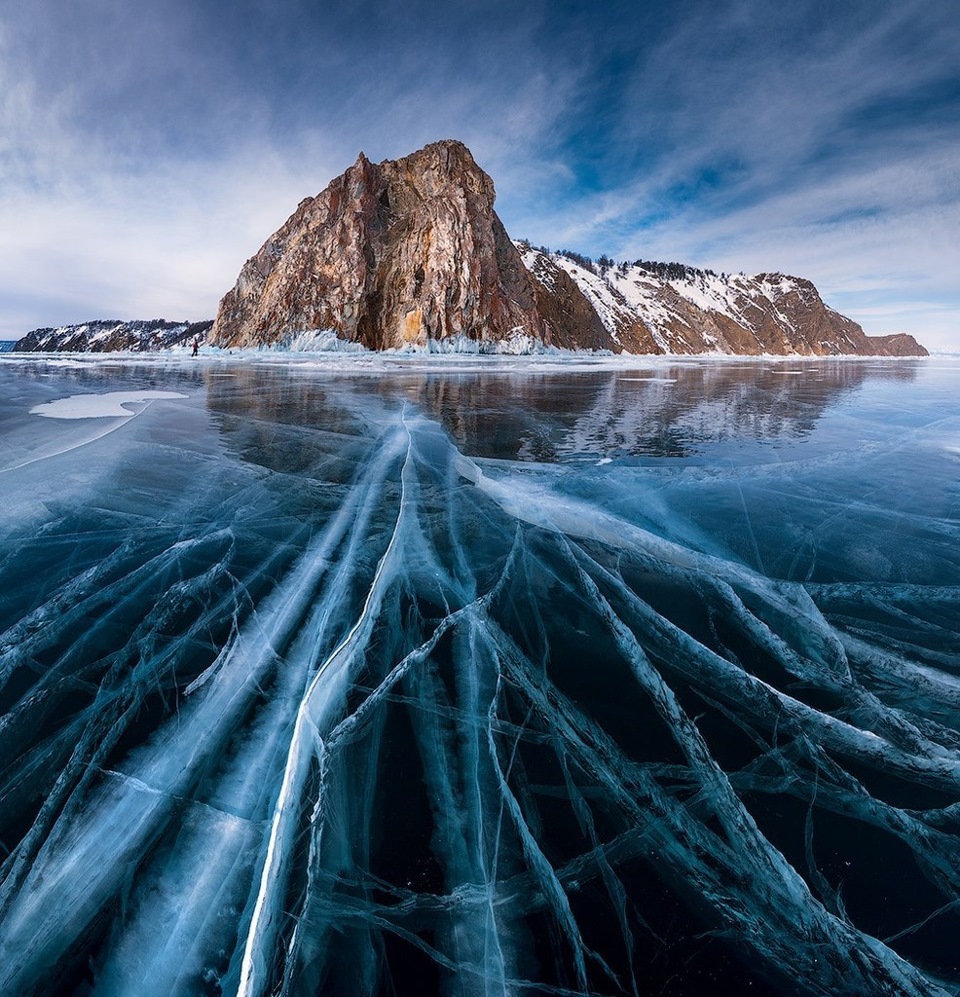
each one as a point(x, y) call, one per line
point(105, 336)
point(672, 308)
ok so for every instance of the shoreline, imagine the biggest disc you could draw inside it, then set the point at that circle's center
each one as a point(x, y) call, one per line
point(369, 361)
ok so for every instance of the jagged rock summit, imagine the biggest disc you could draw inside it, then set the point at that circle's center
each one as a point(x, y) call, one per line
point(410, 252)
point(391, 254)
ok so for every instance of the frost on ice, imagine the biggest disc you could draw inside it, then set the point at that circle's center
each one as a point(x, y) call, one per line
point(339, 704)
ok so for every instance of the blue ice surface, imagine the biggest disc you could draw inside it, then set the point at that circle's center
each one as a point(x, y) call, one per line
point(388, 676)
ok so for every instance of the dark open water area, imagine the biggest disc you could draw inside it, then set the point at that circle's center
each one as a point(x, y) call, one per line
point(355, 678)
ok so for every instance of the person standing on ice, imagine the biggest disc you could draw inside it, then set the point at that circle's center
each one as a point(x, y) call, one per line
point(196, 346)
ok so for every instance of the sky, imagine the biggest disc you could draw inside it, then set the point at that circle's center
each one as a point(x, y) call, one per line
point(147, 150)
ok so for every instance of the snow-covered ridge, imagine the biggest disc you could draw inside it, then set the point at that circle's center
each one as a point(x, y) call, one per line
point(109, 335)
point(648, 307)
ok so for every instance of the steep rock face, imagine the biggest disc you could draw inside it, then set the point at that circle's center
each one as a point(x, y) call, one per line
point(390, 254)
point(112, 335)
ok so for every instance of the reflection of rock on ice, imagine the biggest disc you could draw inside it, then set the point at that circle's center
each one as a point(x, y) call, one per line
point(476, 726)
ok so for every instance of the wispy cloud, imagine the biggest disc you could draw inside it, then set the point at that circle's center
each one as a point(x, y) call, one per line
point(822, 142)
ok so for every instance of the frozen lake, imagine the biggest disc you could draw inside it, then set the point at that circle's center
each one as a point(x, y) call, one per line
point(371, 676)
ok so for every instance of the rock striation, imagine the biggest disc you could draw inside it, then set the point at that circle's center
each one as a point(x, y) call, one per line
point(410, 253)
point(112, 335)
point(392, 254)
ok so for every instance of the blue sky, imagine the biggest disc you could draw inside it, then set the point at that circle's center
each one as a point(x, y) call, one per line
point(146, 150)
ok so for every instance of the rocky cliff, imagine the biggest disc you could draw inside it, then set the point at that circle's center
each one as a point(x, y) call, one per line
point(110, 335)
point(410, 252)
point(390, 254)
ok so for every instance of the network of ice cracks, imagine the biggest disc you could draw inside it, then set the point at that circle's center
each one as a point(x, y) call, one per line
point(454, 727)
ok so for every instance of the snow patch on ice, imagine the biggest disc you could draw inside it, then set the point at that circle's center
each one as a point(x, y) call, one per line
point(112, 405)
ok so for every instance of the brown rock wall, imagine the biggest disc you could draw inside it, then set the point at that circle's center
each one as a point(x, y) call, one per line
point(390, 254)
